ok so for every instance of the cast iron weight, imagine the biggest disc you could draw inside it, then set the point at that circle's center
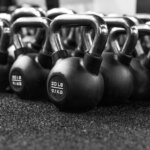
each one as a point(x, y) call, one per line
point(74, 83)
point(29, 72)
point(141, 69)
point(117, 72)
point(115, 67)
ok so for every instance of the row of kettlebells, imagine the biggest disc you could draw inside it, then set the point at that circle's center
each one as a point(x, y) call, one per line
point(77, 61)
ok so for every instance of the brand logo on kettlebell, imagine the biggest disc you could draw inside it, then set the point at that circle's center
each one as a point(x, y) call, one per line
point(16, 80)
point(57, 88)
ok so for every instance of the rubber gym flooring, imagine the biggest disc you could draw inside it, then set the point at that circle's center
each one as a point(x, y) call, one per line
point(28, 125)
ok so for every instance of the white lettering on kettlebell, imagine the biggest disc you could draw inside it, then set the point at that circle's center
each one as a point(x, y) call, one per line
point(57, 88)
point(16, 80)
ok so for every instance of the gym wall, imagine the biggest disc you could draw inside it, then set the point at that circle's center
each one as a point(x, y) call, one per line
point(105, 6)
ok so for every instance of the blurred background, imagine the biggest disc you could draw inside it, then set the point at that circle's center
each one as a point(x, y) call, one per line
point(105, 6)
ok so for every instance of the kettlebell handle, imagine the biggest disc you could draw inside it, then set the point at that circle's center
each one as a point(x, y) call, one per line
point(36, 22)
point(144, 17)
point(24, 12)
point(96, 23)
point(115, 32)
point(41, 11)
point(144, 29)
point(132, 37)
point(52, 13)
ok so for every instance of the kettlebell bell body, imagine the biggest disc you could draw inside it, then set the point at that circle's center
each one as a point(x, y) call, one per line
point(118, 79)
point(64, 88)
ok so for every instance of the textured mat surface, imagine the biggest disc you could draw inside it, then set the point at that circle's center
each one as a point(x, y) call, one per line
point(26, 125)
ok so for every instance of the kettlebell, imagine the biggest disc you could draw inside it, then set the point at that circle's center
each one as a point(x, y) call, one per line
point(4, 63)
point(115, 66)
point(116, 69)
point(141, 70)
point(76, 84)
point(29, 72)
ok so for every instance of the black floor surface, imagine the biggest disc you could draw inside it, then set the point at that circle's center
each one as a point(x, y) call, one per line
point(27, 125)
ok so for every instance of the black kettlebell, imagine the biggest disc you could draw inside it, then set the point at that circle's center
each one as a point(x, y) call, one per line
point(74, 83)
point(115, 67)
point(141, 70)
point(29, 72)
point(4, 63)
